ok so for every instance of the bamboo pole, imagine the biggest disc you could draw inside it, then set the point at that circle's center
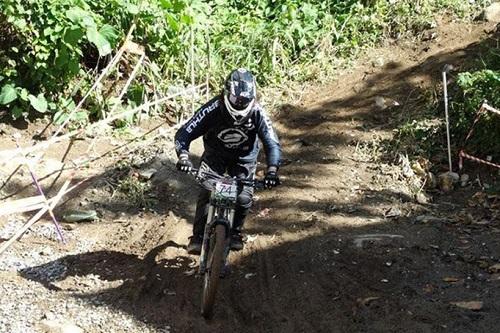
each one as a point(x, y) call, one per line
point(122, 92)
point(36, 217)
point(144, 106)
point(33, 203)
point(106, 70)
point(7, 154)
point(15, 206)
point(129, 81)
point(491, 109)
point(23, 209)
point(207, 93)
point(39, 188)
point(192, 71)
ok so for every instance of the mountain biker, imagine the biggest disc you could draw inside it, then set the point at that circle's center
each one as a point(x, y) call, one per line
point(230, 124)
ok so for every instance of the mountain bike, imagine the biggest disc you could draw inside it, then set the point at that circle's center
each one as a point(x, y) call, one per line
point(217, 235)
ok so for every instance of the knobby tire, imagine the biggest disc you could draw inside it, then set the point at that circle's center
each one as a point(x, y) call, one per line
point(212, 275)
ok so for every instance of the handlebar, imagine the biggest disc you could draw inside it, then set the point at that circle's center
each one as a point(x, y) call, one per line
point(257, 184)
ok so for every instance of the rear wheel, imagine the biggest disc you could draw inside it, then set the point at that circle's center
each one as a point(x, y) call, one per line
point(214, 268)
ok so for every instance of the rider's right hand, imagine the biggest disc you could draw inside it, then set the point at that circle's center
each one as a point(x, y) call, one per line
point(184, 163)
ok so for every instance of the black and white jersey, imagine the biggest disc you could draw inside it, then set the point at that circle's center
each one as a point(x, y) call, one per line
point(232, 141)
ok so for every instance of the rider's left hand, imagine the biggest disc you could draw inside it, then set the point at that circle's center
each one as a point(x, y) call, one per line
point(271, 179)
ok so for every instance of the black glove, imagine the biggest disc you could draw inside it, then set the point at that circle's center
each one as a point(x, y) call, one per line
point(271, 179)
point(184, 163)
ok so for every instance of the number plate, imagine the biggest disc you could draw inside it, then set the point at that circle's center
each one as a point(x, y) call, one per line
point(227, 191)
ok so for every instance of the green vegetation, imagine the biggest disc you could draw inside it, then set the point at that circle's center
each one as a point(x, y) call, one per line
point(136, 192)
point(481, 82)
point(50, 50)
point(476, 87)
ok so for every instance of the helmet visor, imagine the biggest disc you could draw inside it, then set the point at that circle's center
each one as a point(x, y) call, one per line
point(237, 114)
point(239, 102)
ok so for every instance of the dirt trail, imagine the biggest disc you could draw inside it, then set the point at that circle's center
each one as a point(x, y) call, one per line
point(337, 248)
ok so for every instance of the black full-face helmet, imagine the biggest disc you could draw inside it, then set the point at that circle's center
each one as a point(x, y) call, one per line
point(239, 94)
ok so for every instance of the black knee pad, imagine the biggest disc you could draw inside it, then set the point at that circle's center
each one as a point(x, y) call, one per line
point(245, 199)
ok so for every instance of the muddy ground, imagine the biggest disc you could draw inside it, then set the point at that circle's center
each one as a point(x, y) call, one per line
point(345, 245)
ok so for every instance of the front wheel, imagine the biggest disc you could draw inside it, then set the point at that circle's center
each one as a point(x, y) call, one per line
point(214, 268)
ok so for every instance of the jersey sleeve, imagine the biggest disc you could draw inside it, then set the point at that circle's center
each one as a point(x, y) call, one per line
point(197, 126)
point(270, 140)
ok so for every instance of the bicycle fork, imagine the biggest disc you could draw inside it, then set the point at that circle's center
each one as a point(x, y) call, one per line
point(216, 215)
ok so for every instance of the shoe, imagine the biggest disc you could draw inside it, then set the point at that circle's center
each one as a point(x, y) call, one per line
point(194, 245)
point(236, 241)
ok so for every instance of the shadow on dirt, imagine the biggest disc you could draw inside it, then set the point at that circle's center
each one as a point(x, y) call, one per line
point(404, 91)
point(387, 278)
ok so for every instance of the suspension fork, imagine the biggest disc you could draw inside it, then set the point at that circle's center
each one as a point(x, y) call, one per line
point(215, 214)
point(227, 248)
point(206, 240)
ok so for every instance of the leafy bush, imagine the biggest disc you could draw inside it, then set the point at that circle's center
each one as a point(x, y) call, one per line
point(48, 40)
point(481, 83)
point(47, 44)
point(477, 87)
